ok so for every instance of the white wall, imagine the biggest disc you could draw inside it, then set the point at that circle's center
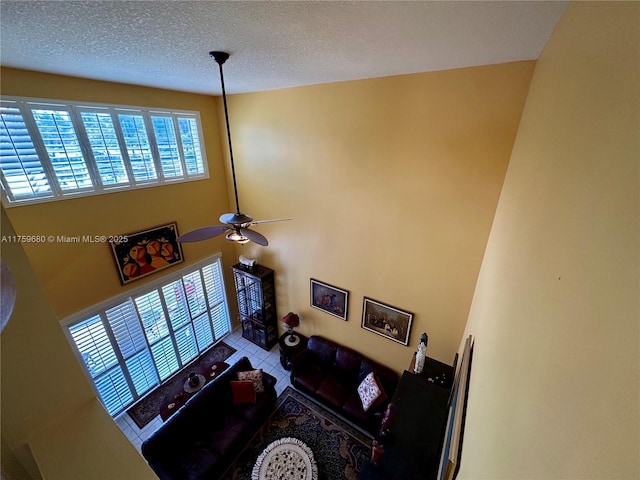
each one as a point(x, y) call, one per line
point(554, 387)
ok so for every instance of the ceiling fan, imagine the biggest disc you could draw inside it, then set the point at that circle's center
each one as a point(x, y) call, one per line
point(235, 224)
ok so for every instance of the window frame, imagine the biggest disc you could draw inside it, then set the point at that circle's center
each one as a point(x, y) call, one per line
point(101, 309)
point(186, 157)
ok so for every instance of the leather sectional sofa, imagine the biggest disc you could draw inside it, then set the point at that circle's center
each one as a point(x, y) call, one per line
point(331, 373)
point(203, 437)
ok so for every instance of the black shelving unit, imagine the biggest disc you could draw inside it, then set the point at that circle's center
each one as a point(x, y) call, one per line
point(256, 294)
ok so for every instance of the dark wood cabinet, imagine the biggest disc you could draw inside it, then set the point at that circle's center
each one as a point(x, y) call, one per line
point(256, 294)
point(412, 450)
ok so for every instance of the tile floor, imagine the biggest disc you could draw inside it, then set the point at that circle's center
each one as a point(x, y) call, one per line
point(260, 358)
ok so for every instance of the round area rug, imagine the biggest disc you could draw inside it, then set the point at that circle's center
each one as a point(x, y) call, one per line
point(285, 459)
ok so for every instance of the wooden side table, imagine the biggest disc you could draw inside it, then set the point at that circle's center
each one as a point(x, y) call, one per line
point(178, 395)
point(287, 351)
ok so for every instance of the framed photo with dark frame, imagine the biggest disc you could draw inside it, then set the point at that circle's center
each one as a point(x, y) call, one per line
point(329, 299)
point(387, 321)
point(143, 253)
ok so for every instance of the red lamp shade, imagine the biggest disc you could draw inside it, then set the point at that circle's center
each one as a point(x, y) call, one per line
point(291, 320)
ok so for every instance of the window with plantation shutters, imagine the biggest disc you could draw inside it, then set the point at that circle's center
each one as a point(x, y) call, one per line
point(51, 150)
point(133, 343)
point(23, 175)
point(216, 298)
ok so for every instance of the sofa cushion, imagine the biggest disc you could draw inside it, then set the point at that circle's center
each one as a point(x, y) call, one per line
point(259, 410)
point(198, 461)
point(243, 391)
point(347, 365)
point(353, 408)
point(386, 377)
point(371, 392)
point(324, 349)
point(224, 439)
point(332, 392)
point(254, 376)
point(308, 377)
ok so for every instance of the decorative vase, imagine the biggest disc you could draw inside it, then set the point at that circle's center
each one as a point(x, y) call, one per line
point(421, 354)
point(377, 451)
point(387, 421)
point(193, 381)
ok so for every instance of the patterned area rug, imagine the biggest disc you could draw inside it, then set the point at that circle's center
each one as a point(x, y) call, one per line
point(148, 407)
point(340, 450)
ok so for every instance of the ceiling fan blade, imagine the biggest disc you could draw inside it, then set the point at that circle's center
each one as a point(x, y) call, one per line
point(272, 220)
point(255, 237)
point(203, 233)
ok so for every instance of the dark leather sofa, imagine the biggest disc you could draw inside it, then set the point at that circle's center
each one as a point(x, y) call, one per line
point(203, 437)
point(331, 373)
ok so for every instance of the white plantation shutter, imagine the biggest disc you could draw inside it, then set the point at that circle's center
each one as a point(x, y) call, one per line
point(138, 147)
point(195, 293)
point(218, 308)
point(153, 319)
point(127, 330)
point(174, 296)
point(23, 175)
point(204, 335)
point(95, 347)
point(220, 319)
point(62, 145)
point(103, 138)
point(50, 150)
point(138, 341)
point(164, 356)
point(176, 304)
point(190, 139)
point(143, 372)
point(187, 345)
point(168, 148)
point(114, 390)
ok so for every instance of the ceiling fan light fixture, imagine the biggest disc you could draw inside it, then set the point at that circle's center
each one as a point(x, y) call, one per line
point(237, 237)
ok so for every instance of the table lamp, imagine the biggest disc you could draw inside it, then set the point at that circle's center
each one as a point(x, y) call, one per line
point(291, 321)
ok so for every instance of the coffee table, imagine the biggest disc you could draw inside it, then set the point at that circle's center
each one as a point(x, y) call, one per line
point(179, 395)
point(285, 459)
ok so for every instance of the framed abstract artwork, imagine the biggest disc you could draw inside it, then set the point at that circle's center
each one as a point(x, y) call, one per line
point(146, 252)
point(329, 299)
point(387, 321)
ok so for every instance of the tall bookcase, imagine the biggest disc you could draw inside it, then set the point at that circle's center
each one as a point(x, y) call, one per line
point(256, 294)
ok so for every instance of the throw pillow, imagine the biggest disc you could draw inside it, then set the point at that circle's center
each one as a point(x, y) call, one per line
point(254, 376)
point(243, 392)
point(371, 392)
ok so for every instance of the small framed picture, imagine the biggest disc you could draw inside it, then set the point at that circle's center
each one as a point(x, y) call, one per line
point(329, 299)
point(386, 321)
point(143, 253)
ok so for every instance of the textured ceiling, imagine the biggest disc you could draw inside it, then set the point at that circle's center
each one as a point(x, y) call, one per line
point(272, 44)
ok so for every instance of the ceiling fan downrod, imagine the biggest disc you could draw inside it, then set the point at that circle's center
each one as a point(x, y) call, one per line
point(239, 217)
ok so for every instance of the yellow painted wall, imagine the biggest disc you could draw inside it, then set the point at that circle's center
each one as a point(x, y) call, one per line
point(555, 379)
point(75, 276)
point(392, 185)
point(42, 383)
point(87, 444)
